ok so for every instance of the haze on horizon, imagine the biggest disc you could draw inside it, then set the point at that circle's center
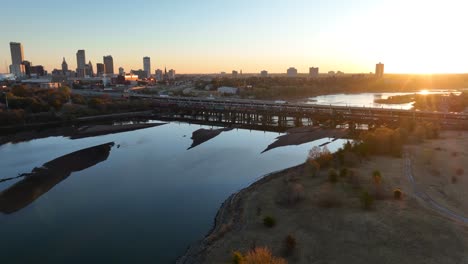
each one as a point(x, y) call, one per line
point(212, 36)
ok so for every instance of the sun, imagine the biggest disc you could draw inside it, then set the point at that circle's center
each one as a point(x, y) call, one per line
point(424, 92)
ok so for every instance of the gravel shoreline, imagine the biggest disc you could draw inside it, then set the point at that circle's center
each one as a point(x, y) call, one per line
point(227, 219)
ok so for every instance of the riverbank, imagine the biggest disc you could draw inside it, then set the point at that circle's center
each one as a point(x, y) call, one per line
point(74, 132)
point(329, 224)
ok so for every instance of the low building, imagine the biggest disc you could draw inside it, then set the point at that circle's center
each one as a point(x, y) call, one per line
point(50, 85)
point(292, 72)
point(140, 73)
point(313, 72)
point(228, 90)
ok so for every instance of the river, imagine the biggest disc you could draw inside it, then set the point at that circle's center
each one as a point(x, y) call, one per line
point(143, 199)
point(367, 99)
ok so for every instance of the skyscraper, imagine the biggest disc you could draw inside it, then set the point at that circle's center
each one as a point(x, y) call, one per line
point(172, 74)
point(264, 73)
point(121, 71)
point(17, 58)
point(108, 64)
point(159, 74)
point(100, 69)
point(89, 69)
point(64, 67)
point(313, 72)
point(379, 70)
point(81, 63)
point(147, 66)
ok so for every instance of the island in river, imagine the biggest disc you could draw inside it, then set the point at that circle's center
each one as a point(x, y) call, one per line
point(426, 224)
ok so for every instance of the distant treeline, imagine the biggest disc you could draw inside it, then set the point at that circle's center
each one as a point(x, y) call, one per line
point(35, 105)
point(431, 102)
point(300, 87)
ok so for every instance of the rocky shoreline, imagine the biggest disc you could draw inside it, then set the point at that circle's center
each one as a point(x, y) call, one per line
point(228, 218)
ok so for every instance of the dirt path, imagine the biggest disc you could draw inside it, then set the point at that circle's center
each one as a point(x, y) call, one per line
point(419, 193)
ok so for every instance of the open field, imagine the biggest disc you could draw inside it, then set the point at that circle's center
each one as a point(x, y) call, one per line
point(329, 224)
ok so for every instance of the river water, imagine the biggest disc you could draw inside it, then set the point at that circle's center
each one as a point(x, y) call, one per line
point(143, 200)
point(367, 99)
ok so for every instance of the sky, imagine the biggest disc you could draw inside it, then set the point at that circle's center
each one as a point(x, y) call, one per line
point(210, 36)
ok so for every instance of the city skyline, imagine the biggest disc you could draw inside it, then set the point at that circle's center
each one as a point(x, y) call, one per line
point(212, 37)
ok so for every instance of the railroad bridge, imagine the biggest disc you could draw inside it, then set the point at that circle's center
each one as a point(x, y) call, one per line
point(282, 114)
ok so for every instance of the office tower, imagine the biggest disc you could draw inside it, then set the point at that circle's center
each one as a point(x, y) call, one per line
point(292, 72)
point(27, 67)
point(81, 63)
point(159, 74)
point(64, 66)
point(147, 66)
point(379, 70)
point(313, 72)
point(234, 74)
point(100, 69)
point(121, 71)
point(37, 70)
point(172, 74)
point(108, 64)
point(89, 69)
point(264, 73)
point(17, 58)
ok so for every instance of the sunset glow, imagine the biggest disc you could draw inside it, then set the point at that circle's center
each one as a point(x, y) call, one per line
point(214, 36)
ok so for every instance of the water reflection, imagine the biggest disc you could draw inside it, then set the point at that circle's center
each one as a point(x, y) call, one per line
point(302, 135)
point(42, 179)
point(202, 135)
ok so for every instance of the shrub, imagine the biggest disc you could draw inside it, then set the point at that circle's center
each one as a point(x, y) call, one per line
point(262, 255)
point(366, 200)
point(312, 167)
point(397, 194)
point(328, 200)
point(332, 176)
point(377, 177)
point(343, 172)
point(454, 179)
point(269, 221)
point(237, 257)
point(294, 193)
point(290, 245)
point(460, 172)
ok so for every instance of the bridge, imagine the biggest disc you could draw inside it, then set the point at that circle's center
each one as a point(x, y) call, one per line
point(280, 113)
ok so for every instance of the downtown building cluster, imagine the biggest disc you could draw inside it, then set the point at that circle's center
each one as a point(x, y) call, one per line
point(24, 69)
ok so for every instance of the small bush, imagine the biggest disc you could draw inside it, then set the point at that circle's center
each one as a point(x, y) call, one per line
point(332, 176)
point(460, 172)
point(269, 221)
point(295, 193)
point(237, 257)
point(312, 167)
point(261, 255)
point(343, 172)
point(328, 200)
point(454, 179)
point(290, 245)
point(397, 194)
point(377, 177)
point(454, 154)
point(366, 200)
